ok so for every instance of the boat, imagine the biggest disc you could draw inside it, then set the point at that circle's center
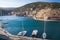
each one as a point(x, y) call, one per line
point(34, 33)
point(22, 33)
point(5, 22)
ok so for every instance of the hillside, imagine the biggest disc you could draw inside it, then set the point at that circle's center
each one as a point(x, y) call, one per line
point(5, 11)
point(37, 10)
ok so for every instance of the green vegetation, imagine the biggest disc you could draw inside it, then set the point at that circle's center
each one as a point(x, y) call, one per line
point(43, 5)
point(38, 9)
point(39, 5)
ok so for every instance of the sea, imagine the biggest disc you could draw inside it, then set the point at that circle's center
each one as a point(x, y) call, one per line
point(13, 24)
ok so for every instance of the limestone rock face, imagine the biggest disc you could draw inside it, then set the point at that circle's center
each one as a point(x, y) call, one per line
point(38, 10)
point(48, 12)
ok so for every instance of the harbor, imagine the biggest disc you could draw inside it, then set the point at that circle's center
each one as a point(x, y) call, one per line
point(29, 20)
point(15, 37)
point(16, 25)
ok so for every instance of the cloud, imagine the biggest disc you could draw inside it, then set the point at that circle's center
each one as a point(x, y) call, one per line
point(17, 3)
point(9, 3)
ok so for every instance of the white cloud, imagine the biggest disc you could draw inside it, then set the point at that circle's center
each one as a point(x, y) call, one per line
point(9, 3)
point(14, 3)
point(17, 3)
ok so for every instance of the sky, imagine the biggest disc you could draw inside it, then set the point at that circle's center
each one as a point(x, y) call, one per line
point(18, 3)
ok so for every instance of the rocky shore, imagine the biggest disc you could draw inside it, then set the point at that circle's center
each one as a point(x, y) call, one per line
point(15, 37)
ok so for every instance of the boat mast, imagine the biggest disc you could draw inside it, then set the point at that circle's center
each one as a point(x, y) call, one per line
point(44, 24)
point(22, 26)
point(1, 13)
point(44, 30)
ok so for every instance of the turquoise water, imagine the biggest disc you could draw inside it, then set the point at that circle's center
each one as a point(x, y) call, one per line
point(14, 26)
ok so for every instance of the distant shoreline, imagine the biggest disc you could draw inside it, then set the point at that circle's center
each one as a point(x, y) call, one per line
point(37, 19)
point(46, 20)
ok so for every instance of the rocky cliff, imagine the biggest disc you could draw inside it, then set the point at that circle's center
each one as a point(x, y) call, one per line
point(37, 10)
